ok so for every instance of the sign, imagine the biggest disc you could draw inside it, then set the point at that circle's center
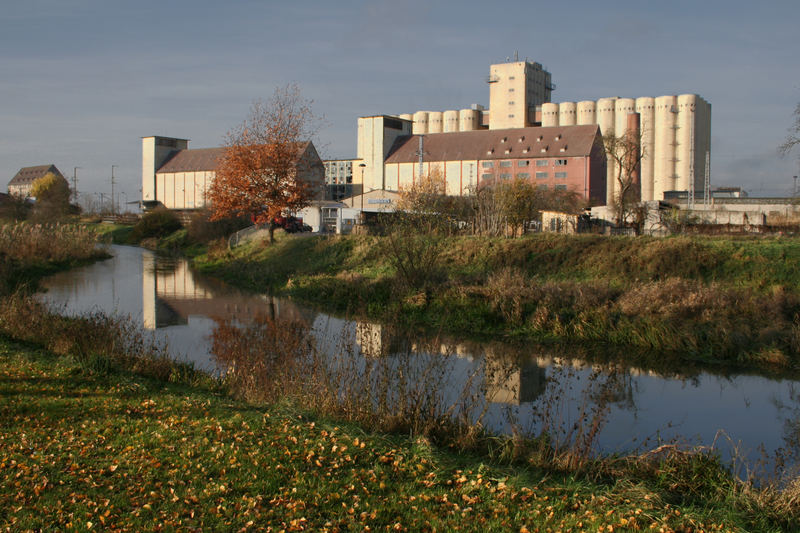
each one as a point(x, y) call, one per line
point(379, 201)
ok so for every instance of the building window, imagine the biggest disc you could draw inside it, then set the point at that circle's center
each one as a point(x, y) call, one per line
point(542, 187)
point(510, 116)
point(505, 176)
point(505, 163)
point(523, 163)
point(541, 175)
point(561, 162)
point(511, 102)
point(561, 174)
point(486, 176)
point(541, 162)
point(487, 164)
point(561, 187)
point(523, 175)
point(511, 90)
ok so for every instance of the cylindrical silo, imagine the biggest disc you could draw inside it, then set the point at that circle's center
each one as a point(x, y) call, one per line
point(567, 113)
point(685, 151)
point(586, 113)
point(549, 114)
point(420, 126)
point(468, 119)
point(666, 113)
point(450, 121)
point(435, 122)
point(605, 119)
point(645, 106)
point(622, 106)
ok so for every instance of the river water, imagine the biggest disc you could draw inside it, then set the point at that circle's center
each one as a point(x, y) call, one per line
point(750, 416)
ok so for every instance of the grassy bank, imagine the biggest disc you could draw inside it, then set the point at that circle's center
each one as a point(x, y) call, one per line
point(30, 251)
point(716, 300)
point(86, 449)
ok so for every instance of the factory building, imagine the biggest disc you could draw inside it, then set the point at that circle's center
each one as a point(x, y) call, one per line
point(675, 137)
point(675, 130)
point(178, 177)
point(558, 158)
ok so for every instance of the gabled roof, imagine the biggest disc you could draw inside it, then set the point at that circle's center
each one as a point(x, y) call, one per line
point(27, 175)
point(516, 143)
point(194, 160)
point(204, 159)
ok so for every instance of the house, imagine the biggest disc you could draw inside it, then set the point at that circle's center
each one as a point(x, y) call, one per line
point(179, 178)
point(20, 185)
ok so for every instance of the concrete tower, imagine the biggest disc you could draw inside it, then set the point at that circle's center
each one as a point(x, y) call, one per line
point(515, 88)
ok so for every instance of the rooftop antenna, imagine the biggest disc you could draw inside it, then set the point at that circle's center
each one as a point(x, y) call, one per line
point(516, 55)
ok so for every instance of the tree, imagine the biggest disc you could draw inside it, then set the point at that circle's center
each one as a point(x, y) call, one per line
point(259, 174)
point(52, 197)
point(793, 137)
point(625, 153)
point(520, 202)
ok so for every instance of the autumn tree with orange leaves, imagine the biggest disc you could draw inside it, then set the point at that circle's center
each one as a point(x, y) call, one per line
point(258, 175)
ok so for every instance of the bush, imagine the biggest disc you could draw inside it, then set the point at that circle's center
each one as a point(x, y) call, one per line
point(157, 223)
point(202, 230)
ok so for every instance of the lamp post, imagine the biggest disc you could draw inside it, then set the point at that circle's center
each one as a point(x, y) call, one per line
point(361, 217)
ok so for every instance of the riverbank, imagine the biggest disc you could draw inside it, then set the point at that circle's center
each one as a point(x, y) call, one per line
point(111, 449)
point(708, 300)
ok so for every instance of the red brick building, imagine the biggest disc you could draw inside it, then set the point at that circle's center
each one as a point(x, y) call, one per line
point(554, 158)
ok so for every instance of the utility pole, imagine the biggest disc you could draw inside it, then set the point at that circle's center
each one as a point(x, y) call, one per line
point(75, 183)
point(113, 208)
point(421, 153)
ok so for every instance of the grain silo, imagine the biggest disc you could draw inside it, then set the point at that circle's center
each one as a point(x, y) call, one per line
point(450, 121)
point(586, 112)
point(567, 113)
point(469, 119)
point(685, 151)
point(549, 114)
point(420, 126)
point(664, 160)
point(435, 122)
point(645, 106)
point(605, 119)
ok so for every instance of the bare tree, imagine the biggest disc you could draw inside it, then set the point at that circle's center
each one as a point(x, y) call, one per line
point(259, 174)
point(793, 137)
point(625, 153)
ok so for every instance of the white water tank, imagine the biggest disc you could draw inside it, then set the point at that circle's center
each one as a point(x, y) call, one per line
point(549, 114)
point(645, 106)
point(586, 112)
point(435, 122)
point(666, 114)
point(469, 119)
point(567, 113)
point(450, 121)
point(420, 126)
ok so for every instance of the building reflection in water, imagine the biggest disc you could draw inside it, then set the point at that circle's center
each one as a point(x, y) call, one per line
point(171, 293)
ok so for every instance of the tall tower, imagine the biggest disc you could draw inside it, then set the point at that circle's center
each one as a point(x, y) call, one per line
point(515, 89)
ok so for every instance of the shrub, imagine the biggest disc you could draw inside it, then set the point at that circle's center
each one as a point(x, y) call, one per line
point(157, 223)
point(202, 230)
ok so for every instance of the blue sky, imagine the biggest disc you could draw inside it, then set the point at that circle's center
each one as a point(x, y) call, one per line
point(81, 81)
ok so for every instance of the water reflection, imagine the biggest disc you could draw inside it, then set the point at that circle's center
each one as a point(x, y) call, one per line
point(523, 386)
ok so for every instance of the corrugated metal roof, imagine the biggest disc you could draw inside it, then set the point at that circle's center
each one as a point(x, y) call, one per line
point(28, 175)
point(517, 143)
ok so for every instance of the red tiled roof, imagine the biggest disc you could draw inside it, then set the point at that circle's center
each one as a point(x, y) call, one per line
point(517, 143)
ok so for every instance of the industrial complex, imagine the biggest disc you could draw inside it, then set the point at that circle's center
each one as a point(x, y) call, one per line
point(521, 135)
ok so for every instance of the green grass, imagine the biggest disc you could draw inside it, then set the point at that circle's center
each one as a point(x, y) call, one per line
point(714, 300)
point(112, 450)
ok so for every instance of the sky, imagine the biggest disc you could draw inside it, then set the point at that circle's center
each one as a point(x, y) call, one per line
point(82, 81)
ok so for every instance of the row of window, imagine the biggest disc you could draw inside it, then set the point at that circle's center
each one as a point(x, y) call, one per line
point(525, 175)
point(539, 163)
